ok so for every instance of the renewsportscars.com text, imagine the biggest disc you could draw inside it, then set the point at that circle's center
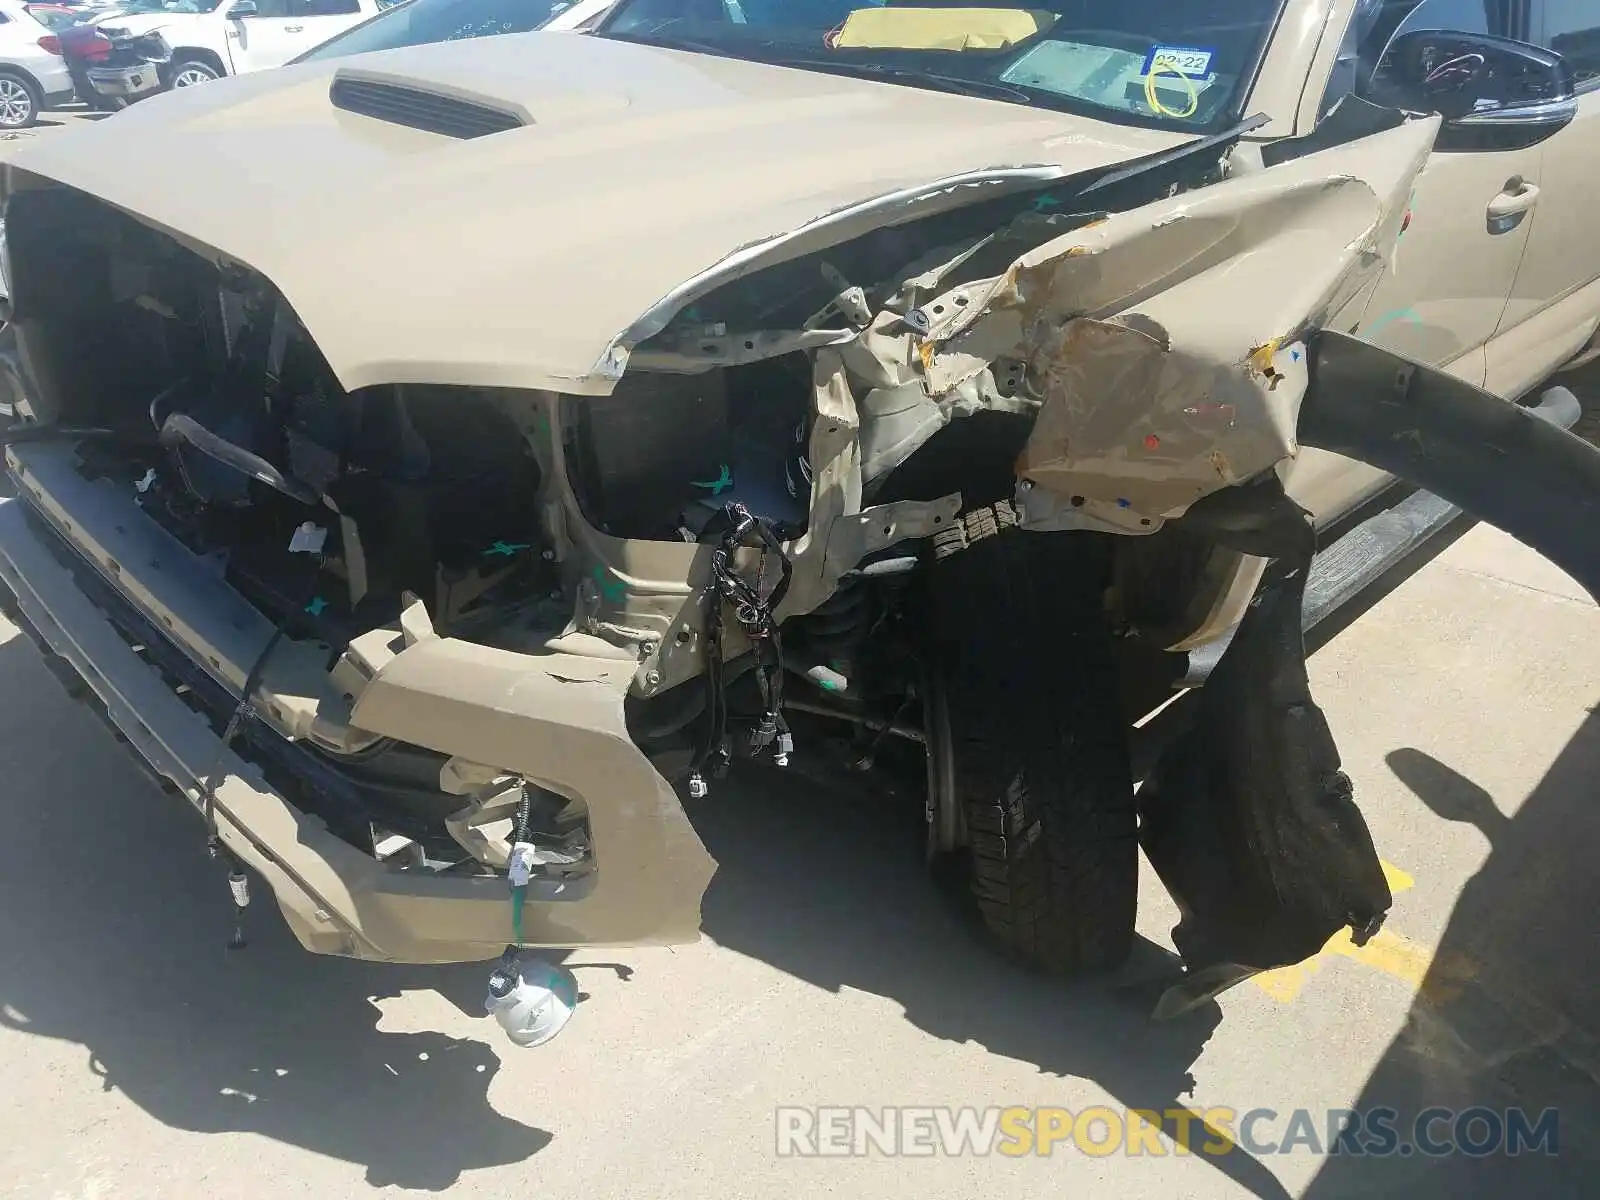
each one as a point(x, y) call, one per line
point(1099, 1131)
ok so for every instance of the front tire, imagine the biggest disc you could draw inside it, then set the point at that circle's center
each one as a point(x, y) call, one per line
point(1038, 750)
point(191, 72)
point(20, 101)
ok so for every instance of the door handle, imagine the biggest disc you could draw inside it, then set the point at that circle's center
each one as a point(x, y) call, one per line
point(1506, 210)
point(299, 28)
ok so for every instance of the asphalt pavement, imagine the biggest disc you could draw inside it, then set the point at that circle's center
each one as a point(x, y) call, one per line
point(140, 1059)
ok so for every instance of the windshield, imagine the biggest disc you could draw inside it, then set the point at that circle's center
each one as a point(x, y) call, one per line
point(1182, 64)
point(416, 22)
point(146, 7)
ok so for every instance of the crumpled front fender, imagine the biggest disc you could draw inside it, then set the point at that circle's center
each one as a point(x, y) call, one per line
point(1166, 343)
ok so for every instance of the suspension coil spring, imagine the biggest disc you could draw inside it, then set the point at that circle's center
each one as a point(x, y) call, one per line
point(837, 626)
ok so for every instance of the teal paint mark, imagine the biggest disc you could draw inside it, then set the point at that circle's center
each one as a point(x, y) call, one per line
point(1041, 203)
point(316, 606)
point(611, 589)
point(506, 549)
point(828, 685)
point(1408, 315)
point(719, 485)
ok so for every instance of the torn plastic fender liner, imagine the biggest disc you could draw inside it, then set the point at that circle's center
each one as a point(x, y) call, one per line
point(1165, 341)
point(1247, 818)
point(1496, 461)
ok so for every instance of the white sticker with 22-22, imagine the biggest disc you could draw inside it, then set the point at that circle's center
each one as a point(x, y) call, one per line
point(1185, 60)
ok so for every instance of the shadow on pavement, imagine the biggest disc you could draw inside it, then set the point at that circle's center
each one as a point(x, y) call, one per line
point(114, 938)
point(1506, 1016)
point(828, 884)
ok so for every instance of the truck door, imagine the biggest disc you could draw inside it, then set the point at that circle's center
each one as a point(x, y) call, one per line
point(1555, 301)
point(1457, 261)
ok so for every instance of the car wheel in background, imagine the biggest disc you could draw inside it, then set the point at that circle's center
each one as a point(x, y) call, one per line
point(19, 101)
point(189, 72)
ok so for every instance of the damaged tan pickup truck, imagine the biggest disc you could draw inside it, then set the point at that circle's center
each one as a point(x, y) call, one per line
point(444, 465)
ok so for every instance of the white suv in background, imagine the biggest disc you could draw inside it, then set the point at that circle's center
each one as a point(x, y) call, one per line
point(213, 38)
point(33, 74)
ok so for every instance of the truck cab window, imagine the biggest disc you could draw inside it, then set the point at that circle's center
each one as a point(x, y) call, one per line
point(1572, 29)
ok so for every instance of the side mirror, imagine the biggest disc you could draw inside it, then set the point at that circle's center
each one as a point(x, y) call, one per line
point(242, 8)
point(1492, 92)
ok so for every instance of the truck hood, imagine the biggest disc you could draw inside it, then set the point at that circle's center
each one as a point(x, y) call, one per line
point(635, 171)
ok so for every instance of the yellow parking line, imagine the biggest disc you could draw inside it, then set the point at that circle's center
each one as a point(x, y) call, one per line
point(1391, 953)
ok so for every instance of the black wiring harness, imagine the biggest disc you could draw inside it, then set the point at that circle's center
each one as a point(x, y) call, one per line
point(754, 611)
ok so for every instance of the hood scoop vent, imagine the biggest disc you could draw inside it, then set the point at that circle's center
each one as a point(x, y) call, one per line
point(402, 104)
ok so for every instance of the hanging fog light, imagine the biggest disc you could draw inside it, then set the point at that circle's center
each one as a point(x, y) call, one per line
point(531, 999)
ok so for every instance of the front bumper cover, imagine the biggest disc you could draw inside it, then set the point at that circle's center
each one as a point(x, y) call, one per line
point(337, 899)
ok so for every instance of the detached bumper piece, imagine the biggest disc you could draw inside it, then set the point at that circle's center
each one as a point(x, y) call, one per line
point(336, 898)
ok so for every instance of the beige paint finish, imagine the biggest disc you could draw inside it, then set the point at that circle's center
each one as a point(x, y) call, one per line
point(1307, 103)
point(1296, 51)
point(1439, 302)
point(381, 226)
point(1501, 310)
point(1522, 357)
point(1447, 287)
point(561, 721)
point(1554, 305)
point(1562, 251)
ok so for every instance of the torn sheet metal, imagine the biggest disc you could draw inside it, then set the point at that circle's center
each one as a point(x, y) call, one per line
point(841, 533)
point(1167, 343)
